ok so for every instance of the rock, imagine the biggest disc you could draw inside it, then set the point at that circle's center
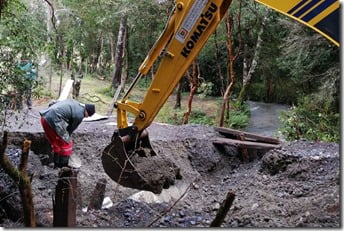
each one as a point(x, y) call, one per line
point(216, 206)
point(276, 161)
point(254, 206)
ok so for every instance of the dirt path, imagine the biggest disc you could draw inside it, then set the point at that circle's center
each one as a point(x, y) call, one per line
point(264, 118)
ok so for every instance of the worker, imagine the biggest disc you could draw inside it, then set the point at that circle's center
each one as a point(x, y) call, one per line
point(29, 72)
point(59, 121)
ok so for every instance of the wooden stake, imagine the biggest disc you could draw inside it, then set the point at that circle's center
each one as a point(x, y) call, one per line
point(65, 199)
point(223, 210)
point(98, 195)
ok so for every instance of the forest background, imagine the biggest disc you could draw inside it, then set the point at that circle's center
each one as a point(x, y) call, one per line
point(255, 54)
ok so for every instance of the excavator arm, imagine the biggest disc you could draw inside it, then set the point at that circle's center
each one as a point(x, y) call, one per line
point(188, 29)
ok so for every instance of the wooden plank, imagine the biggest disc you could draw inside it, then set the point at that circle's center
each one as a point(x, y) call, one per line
point(247, 135)
point(66, 90)
point(244, 144)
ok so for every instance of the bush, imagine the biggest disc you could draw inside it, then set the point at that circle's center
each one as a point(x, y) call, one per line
point(312, 120)
point(238, 116)
point(206, 89)
point(201, 118)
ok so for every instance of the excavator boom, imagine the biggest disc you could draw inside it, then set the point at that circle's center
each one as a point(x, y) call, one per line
point(188, 29)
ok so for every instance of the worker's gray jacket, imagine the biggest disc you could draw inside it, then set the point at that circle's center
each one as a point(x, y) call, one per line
point(64, 117)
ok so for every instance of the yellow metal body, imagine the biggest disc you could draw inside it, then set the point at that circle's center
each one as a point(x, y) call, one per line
point(316, 14)
point(188, 29)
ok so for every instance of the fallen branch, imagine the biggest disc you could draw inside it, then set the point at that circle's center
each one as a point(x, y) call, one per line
point(20, 177)
point(223, 210)
point(92, 98)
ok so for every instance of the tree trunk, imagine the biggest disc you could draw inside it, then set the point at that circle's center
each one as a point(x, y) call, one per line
point(100, 55)
point(231, 71)
point(118, 76)
point(61, 77)
point(179, 95)
point(270, 89)
point(116, 79)
point(3, 4)
point(21, 178)
point(232, 58)
point(112, 48)
point(248, 77)
point(218, 66)
point(194, 83)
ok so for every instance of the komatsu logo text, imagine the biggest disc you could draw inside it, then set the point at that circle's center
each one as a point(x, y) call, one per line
point(200, 28)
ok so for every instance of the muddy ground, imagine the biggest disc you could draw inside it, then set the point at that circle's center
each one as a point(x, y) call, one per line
point(297, 185)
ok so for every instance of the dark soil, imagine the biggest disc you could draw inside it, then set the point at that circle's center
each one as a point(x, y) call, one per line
point(297, 185)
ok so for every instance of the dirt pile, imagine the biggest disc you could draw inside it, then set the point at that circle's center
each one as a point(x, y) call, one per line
point(295, 186)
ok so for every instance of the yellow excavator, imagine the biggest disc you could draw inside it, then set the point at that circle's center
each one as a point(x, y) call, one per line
point(190, 25)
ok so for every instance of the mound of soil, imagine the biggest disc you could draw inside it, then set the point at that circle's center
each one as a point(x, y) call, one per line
point(297, 185)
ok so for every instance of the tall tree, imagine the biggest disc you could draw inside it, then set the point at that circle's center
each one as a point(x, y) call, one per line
point(193, 77)
point(247, 77)
point(232, 57)
point(118, 80)
point(121, 41)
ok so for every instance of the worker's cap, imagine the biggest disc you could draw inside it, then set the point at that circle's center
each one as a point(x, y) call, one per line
point(90, 108)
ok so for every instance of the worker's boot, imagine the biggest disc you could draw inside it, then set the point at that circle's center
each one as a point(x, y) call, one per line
point(60, 161)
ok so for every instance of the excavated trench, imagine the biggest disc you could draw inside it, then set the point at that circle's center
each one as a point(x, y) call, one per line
point(295, 186)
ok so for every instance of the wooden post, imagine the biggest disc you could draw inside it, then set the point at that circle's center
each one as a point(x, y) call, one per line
point(223, 210)
point(244, 151)
point(65, 199)
point(98, 195)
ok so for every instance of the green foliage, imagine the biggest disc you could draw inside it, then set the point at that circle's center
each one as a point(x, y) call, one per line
point(108, 91)
point(239, 116)
point(21, 36)
point(312, 119)
point(41, 92)
point(206, 89)
point(200, 117)
point(175, 116)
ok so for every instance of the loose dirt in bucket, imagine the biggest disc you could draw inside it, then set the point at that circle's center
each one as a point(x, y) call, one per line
point(157, 171)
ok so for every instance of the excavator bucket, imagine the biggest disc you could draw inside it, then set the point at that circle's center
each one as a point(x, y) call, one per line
point(132, 162)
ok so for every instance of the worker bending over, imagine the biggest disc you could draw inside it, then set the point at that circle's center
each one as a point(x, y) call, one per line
point(59, 121)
